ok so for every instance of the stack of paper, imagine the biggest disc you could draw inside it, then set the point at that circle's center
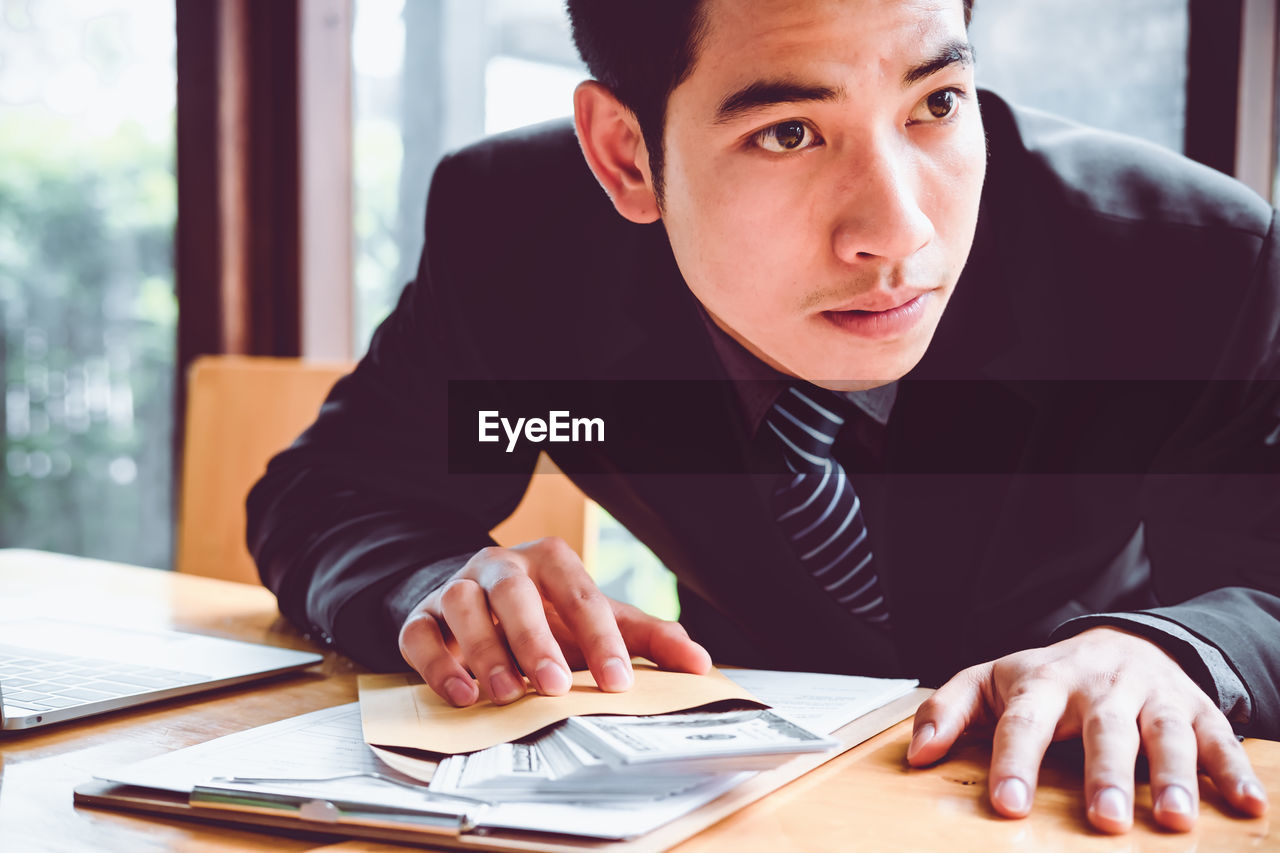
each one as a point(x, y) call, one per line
point(332, 768)
point(551, 767)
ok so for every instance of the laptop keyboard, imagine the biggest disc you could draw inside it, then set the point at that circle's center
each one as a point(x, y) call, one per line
point(44, 681)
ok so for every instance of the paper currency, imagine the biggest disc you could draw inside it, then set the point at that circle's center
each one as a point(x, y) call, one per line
point(714, 741)
point(590, 759)
point(552, 766)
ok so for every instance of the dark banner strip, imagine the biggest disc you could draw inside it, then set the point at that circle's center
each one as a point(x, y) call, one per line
point(991, 427)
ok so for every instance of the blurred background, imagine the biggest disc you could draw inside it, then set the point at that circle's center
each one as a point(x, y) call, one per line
point(227, 176)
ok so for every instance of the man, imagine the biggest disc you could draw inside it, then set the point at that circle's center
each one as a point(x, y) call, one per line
point(800, 185)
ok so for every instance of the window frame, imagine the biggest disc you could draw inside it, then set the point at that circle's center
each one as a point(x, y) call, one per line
point(264, 240)
point(1257, 98)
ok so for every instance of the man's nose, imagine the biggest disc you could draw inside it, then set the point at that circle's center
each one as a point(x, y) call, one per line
point(878, 211)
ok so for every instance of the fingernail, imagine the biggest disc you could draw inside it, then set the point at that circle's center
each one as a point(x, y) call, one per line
point(1253, 791)
point(1175, 800)
point(1112, 804)
point(459, 691)
point(920, 740)
point(503, 685)
point(551, 678)
point(1013, 794)
point(616, 674)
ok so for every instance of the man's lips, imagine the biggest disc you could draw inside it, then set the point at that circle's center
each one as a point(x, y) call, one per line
point(900, 314)
point(878, 302)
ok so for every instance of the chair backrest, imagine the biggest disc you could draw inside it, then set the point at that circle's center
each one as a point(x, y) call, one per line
point(242, 410)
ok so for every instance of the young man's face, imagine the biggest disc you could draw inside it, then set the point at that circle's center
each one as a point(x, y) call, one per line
point(824, 161)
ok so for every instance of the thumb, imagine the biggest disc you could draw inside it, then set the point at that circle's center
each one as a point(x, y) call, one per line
point(665, 643)
point(946, 714)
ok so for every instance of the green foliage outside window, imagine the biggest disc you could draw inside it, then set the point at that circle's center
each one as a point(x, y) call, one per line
point(87, 324)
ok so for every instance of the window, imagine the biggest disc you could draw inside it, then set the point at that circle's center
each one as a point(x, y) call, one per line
point(87, 310)
point(1134, 80)
point(431, 77)
point(1275, 113)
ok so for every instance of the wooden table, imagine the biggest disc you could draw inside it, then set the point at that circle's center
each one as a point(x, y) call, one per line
point(867, 799)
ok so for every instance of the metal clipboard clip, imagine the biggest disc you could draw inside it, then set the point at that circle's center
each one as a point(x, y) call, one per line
point(436, 812)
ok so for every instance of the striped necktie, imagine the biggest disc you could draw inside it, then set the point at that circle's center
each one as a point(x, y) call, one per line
point(817, 508)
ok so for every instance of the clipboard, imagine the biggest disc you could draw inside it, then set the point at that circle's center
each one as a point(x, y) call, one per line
point(462, 828)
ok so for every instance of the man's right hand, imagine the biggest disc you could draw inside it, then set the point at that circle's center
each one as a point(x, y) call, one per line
point(533, 608)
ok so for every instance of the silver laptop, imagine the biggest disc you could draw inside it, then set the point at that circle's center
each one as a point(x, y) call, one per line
point(51, 671)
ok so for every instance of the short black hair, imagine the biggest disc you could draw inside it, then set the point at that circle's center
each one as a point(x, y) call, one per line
point(641, 50)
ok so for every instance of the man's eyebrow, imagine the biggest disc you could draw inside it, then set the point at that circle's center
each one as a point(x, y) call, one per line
point(767, 93)
point(761, 94)
point(952, 52)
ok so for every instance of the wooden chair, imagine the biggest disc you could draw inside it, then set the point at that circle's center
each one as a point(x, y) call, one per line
point(242, 410)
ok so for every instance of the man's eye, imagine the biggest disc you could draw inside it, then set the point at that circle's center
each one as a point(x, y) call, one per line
point(938, 106)
point(786, 136)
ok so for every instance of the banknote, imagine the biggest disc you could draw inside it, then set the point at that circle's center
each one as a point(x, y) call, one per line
point(716, 738)
point(551, 766)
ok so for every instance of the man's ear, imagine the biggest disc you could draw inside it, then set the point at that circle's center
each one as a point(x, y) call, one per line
point(614, 147)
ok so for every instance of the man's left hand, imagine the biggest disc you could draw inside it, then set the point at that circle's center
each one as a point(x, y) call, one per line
point(1117, 692)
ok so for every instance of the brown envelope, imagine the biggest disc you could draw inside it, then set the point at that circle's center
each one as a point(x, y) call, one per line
point(399, 710)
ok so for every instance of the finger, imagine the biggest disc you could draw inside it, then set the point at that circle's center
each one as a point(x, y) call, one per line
point(423, 647)
point(465, 610)
point(665, 643)
point(1227, 764)
point(561, 579)
point(1110, 736)
point(1170, 744)
point(946, 714)
point(515, 600)
point(564, 639)
point(1022, 735)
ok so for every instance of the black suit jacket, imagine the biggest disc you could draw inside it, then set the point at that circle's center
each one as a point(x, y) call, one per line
point(1094, 427)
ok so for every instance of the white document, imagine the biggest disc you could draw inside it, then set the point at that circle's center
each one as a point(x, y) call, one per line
point(818, 700)
point(319, 745)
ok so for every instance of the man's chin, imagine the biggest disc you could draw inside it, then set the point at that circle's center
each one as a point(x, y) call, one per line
point(843, 385)
point(860, 373)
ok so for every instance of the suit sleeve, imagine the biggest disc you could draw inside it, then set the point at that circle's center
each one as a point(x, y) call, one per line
point(1212, 515)
point(361, 513)
point(1202, 662)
